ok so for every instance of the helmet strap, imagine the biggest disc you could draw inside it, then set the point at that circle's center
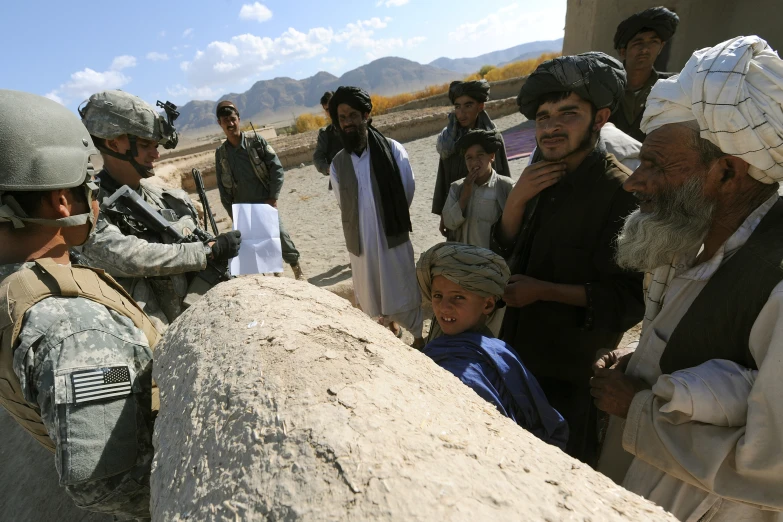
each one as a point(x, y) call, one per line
point(130, 157)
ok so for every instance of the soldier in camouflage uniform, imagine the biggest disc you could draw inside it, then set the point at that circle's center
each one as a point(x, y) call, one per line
point(75, 351)
point(128, 132)
point(249, 171)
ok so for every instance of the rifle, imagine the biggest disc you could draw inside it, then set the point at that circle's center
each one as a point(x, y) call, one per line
point(128, 203)
point(202, 195)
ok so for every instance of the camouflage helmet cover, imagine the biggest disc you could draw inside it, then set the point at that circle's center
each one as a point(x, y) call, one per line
point(45, 146)
point(110, 114)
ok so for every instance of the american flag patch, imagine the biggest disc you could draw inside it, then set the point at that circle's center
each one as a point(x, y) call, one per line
point(101, 383)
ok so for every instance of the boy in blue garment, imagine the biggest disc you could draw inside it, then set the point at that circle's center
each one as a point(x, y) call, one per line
point(464, 284)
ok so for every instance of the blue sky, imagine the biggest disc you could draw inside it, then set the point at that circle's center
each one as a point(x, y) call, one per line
point(201, 49)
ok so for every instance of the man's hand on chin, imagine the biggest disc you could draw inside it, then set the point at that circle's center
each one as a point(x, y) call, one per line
point(272, 202)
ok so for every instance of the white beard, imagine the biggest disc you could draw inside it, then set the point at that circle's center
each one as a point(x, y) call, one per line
point(678, 225)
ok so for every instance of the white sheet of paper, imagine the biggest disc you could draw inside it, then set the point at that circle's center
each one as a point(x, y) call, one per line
point(260, 251)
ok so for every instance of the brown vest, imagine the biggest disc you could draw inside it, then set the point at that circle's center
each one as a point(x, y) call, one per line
point(718, 323)
point(349, 204)
point(20, 291)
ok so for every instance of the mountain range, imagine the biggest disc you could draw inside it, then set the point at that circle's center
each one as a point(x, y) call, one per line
point(270, 101)
point(524, 51)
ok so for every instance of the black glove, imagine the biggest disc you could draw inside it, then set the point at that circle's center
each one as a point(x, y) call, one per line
point(226, 245)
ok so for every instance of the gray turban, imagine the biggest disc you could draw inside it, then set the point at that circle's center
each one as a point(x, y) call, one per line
point(478, 90)
point(658, 19)
point(595, 77)
point(489, 140)
point(475, 269)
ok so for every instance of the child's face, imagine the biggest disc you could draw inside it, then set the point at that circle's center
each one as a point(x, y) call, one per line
point(456, 309)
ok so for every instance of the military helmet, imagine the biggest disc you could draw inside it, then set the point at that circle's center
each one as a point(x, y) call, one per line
point(44, 147)
point(110, 114)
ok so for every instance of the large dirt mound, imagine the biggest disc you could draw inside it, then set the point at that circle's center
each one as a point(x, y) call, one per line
point(281, 401)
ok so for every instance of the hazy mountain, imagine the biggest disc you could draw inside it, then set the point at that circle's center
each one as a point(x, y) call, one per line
point(512, 54)
point(279, 98)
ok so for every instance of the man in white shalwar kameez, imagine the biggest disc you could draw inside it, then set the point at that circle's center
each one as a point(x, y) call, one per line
point(374, 185)
point(698, 406)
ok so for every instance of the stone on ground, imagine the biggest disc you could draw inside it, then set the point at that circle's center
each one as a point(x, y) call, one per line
point(281, 401)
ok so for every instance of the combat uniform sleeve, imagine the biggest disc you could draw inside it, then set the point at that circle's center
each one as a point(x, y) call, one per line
point(275, 169)
point(321, 154)
point(88, 370)
point(129, 256)
point(740, 462)
point(225, 198)
point(453, 217)
point(501, 160)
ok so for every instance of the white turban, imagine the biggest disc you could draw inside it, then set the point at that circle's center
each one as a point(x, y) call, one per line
point(734, 92)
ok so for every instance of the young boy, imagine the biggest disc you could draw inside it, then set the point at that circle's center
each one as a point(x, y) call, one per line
point(464, 283)
point(476, 202)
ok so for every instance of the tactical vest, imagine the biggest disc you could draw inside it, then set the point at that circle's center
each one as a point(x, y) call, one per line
point(20, 291)
point(349, 204)
point(717, 325)
point(255, 151)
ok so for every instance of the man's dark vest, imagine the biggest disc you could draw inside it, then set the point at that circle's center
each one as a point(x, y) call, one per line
point(718, 323)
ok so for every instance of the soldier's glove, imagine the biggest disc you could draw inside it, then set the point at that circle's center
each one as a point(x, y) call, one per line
point(226, 245)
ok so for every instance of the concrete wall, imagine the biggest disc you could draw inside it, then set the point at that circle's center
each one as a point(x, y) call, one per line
point(498, 90)
point(591, 24)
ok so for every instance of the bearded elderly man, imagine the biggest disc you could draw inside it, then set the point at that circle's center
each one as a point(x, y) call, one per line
point(568, 299)
point(639, 41)
point(374, 185)
point(701, 394)
point(468, 99)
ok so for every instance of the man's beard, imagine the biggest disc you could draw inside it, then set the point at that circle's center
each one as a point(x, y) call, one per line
point(355, 141)
point(678, 225)
point(586, 143)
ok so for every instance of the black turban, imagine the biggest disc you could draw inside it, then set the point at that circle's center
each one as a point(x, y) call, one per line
point(354, 96)
point(658, 19)
point(489, 140)
point(396, 216)
point(595, 77)
point(478, 90)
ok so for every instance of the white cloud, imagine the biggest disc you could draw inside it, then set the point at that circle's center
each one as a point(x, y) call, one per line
point(162, 34)
point(157, 57)
point(187, 32)
point(246, 55)
point(193, 93)
point(54, 97)
point(392, 3)
point(86, 82)
point(503, 28)
point(416, 40)
point(257, 11)
point(122, 62)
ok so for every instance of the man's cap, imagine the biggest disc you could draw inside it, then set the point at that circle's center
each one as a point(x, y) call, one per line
point(658, 19)
point(225, 103)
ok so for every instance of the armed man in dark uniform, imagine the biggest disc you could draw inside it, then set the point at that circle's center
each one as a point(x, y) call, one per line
point(639, 40)
point(249, 171)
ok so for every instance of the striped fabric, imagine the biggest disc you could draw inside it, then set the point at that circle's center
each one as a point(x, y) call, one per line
point(734, 92)
point(101, 383)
